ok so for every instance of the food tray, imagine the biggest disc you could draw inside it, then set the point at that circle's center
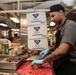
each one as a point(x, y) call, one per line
point(4, 56)
point(11, 65)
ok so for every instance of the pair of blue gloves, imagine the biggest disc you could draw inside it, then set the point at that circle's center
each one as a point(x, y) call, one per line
point(43, 54)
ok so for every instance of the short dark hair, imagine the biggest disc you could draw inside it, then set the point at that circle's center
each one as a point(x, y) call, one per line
point(57, 7)
point(9, 31)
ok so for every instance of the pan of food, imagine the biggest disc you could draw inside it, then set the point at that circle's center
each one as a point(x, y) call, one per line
point(11, 62)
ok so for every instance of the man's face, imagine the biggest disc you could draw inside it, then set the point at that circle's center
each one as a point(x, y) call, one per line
point(55, 17)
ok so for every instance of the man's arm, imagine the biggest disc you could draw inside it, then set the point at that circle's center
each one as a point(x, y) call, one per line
point(58, 52)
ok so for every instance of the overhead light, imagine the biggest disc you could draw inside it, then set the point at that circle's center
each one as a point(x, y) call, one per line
point(52, 24)
point(48, 29)
point(68, 2)
point(50, 34)
point(15, 29)
point(14, 19)
point(24, 34)
point(2, 24)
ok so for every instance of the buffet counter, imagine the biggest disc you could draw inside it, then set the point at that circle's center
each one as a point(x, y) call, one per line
point(23, 67)
point(15, 63)
point(26, 69)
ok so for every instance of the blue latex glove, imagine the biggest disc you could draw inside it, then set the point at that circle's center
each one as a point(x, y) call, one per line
point(37, 62)
point(44, 53)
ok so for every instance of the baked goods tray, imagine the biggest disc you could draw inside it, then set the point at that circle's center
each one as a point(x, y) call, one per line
point(11, 62)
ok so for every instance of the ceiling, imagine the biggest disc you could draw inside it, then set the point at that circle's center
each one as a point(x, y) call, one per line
point(19, 7)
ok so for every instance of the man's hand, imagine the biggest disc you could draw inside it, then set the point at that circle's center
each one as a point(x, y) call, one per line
point(44, 53)
point(37, 62)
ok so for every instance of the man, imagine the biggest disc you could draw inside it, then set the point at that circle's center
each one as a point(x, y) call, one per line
point(64, 55)
point(9, 37)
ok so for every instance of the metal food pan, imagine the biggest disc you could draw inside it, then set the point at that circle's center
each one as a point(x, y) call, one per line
point(4, 56)
point(14, 73)
point(11, 65)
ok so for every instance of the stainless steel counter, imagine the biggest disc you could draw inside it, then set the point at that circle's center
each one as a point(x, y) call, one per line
point(13, 73)
point(7, 71)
